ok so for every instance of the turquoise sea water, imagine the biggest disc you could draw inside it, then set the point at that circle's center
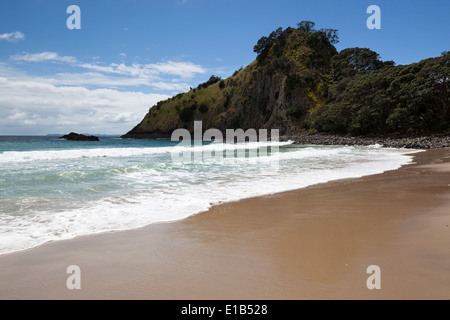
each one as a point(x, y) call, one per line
point(54, 189)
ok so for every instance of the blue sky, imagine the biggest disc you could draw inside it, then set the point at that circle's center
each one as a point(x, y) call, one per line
point(129, 54)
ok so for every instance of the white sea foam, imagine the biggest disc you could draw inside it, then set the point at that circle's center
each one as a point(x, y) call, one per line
point(151, 195)
point(50, 155)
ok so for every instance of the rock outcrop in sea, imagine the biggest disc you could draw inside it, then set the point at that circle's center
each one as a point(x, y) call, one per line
point(78, 137)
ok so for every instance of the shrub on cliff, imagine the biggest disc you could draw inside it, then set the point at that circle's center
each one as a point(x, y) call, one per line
point(213, 79)
point(203, 108)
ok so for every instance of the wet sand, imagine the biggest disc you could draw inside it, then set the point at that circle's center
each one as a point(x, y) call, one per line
point(313, 243)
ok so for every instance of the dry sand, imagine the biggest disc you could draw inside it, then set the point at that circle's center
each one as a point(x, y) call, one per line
point(314, 243)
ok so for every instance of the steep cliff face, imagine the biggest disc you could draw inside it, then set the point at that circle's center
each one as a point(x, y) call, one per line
point(287, 81)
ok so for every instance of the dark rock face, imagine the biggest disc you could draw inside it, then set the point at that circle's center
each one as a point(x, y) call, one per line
point(79, 137)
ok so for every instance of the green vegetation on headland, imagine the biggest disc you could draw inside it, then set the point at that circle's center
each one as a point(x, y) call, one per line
point(301, 83)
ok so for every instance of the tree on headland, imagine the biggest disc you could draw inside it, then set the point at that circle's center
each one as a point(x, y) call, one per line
point(316, 39)
point(213, 79)
point(355, 60)
point(369, 96)
point(306, 26)
point(264, 44)
point(330, 35)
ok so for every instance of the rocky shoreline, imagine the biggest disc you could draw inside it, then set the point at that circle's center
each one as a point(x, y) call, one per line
point(411, 142)
point(418, 142)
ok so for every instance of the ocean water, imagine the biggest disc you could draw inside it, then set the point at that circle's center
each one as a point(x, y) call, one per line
point(53, 189)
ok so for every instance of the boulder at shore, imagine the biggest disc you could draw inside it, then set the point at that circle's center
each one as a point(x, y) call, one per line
point(79, 137)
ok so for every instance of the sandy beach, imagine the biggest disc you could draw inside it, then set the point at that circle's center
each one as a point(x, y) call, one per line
point(313, 243)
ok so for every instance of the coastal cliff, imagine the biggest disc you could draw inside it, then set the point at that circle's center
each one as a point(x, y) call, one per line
point(301, 84)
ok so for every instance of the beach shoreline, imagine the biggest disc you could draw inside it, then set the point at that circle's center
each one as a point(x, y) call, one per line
point(312, 243)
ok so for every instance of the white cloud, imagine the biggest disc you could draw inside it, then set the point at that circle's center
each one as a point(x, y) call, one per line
point(44, 56)
point(38, 108)
point(135, 70)
point(93, 79)
point(100, 80)
point(181, 69)
point(13, 36)
point(96, 98)
point(173, 86)
point(17, 115)
point(115, 74)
